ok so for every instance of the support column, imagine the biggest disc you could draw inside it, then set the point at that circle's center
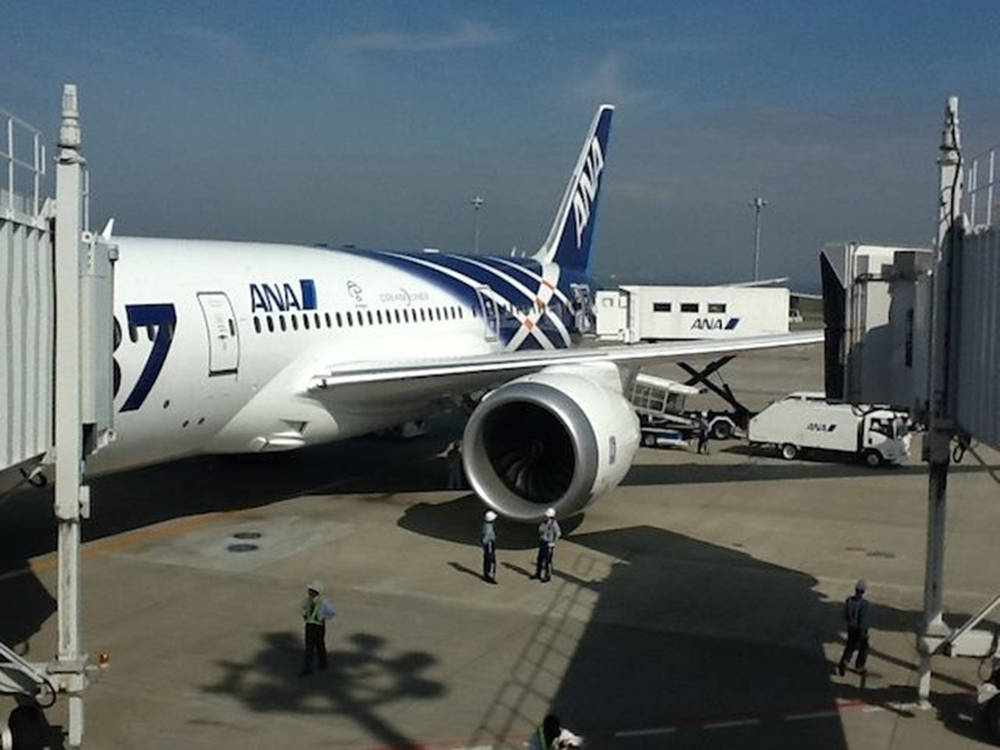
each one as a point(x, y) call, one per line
point(940, 428)
point(69, 667)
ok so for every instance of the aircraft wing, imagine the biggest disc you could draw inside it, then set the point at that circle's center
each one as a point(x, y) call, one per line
point(441, 377)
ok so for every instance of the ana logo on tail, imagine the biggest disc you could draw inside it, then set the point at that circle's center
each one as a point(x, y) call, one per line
point(586, 187)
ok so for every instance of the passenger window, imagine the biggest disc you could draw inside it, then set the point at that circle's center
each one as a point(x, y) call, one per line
point(305, 321)
point(256, 324)
point(295, 322)
point(370, 318)
point(281, 322)
point(397, 315)
point(340, 321)
point(232, 328)
point(270, 324)
point(350, 320)
point(378, 316)
point(316, 320)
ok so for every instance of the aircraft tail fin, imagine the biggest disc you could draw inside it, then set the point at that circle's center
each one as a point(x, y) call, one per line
point(572, 232)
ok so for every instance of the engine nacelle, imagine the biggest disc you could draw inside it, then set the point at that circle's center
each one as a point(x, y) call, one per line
point(557, 438)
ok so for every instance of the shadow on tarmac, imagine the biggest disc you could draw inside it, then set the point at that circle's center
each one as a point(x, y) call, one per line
point(361, 683)
point(694, 472)
point(461, 521)
point(143, 497)
point(684, 633)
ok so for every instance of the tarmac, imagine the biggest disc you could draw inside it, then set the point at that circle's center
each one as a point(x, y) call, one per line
point(697, 605)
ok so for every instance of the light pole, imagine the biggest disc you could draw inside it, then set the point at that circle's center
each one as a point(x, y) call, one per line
point(477, 203)
point(757, 204)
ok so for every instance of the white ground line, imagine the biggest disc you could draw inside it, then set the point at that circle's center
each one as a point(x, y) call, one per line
point(871, 709)
point(812, 715)
point(645, 732)
point(728, 724)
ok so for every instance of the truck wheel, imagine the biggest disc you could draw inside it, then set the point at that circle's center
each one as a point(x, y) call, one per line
point(722, 429)
point(872, 458)
point(789, 452)
point(992, 716)
point(649, 440)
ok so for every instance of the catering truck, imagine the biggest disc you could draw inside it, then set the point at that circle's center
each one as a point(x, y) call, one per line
point(657, 313)
point(809, 422)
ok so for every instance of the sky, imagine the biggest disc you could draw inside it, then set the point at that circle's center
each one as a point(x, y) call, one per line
point(375, 123)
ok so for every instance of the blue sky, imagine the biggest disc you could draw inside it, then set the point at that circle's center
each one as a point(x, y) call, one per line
point(376, 123)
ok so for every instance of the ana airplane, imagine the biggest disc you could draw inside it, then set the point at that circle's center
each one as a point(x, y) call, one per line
point(241, 347)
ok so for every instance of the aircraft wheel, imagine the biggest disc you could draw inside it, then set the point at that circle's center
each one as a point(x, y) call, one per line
point(873, 459)
point(789, 452)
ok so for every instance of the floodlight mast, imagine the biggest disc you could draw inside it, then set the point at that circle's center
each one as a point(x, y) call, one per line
point(757, 204)
point(477, 203)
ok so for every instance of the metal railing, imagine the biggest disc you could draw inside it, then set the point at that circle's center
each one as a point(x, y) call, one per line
point(980, 180)
point(29, 161)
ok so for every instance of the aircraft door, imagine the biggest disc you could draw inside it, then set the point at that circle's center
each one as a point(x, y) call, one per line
point(490, 313)
point(223, 338)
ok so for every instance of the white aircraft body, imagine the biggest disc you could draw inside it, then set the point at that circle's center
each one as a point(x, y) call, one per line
point(241, 347)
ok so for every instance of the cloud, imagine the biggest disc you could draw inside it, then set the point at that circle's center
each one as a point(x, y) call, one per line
point(465, 35)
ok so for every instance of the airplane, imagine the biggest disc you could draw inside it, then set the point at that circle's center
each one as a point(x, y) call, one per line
point(247, 347)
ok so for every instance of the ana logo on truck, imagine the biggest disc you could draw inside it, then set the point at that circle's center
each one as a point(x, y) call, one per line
point(820, 427)
point(714, 324)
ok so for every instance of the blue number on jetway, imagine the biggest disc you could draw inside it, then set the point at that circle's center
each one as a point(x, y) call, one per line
point(164, 318)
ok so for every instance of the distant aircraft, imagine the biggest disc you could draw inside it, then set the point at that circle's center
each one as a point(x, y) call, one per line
point(244, 347)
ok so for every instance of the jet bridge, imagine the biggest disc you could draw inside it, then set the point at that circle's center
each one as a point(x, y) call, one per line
point(56, 386)
point(920, 329)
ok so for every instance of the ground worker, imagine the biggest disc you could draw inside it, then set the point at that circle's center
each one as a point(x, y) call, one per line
point(456, 474)
point(703, 433)
point(551, 735)
point(489, 542)
point(856, 617)
point(316, 610)
point(548, 534)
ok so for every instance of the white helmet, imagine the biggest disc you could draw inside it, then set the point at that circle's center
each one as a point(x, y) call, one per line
point(316, 586)
point(861, 586)
point(491, 516)
point(550, 512)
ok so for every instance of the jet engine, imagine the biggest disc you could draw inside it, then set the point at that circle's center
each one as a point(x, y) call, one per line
point(557, 438)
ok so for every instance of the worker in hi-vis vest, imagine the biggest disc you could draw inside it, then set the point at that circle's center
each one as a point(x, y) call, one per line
point(316, 610)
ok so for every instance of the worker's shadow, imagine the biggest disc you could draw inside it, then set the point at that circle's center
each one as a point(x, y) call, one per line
point(461, 521)
point(360, 680)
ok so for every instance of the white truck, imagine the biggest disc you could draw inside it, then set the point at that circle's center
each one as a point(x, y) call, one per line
point(654, 313)
point(807, 421)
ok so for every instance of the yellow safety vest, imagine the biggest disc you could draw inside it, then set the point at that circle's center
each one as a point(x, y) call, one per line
point(313, 616)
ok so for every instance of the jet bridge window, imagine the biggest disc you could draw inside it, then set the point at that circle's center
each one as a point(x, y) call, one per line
point(716, 307)
point(689, 307)
point(657, 306)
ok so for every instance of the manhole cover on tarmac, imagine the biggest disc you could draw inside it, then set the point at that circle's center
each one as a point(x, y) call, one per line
point(247, 535)
point(242, 547)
